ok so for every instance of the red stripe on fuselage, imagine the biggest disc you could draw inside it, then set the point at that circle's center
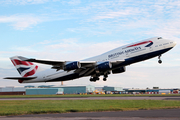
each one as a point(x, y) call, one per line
point(141, 43)
point(18, 62)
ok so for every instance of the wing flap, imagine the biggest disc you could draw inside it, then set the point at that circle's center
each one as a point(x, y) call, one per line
point(117, 62)
point(87, 64)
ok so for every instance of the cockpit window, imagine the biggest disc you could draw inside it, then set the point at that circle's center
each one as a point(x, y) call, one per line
point(159, 38)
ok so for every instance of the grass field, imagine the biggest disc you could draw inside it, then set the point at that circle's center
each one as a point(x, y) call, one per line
point(106, 95)
point(20, 107)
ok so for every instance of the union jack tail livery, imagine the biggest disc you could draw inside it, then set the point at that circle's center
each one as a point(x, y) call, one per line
point(25, 69)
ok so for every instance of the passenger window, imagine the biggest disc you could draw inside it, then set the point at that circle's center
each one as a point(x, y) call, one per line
point(165, 43)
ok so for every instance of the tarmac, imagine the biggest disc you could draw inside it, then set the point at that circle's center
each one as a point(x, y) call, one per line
point(165, 114)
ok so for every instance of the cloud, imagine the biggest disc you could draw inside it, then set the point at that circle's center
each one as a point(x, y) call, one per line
point(63, 49)
point(21, 22)
point(24, 2)
point(123, 15)
point(70, 49)
point(74, 2)
point(112, 15)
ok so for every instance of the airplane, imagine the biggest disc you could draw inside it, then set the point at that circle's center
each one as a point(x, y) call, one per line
point(114, 61)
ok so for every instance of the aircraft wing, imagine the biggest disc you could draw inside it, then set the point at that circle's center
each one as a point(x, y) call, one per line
point(20, 78)
point(56, 64)
point(48, 62)
point(62, 64)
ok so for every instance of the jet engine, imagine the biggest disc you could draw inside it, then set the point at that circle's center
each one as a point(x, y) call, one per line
point(72, 65)
point(103, 66)
point(119, 70)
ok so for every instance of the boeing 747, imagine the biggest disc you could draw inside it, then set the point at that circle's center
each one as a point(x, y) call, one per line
point(114, 61)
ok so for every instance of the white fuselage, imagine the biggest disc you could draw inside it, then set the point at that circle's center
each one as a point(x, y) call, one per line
point(131, 53)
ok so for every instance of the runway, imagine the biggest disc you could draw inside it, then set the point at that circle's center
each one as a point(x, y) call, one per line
point(97, 98)
point(165, 114)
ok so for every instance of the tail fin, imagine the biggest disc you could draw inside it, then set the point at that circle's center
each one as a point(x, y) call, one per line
point(24, 68)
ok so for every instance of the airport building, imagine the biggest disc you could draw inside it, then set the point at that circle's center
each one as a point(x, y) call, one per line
point(89, 89)
point(152, 91)
point(114, 90)
point(44, 91)
point(52, 90)
point(77, 89)
point(12, 90)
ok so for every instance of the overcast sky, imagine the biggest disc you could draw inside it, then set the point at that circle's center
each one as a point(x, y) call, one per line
point(78, 29)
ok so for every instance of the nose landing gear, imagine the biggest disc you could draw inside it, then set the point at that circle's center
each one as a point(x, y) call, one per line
point(159, 61)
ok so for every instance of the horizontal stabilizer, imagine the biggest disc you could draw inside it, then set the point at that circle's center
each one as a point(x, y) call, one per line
point(20, 78)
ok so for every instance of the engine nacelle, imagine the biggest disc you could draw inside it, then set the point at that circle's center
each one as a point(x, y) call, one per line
point(72, 65)
point(103, 66)
point(119, 70)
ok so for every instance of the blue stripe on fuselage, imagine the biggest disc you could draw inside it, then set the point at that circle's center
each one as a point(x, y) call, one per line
point(149, 44)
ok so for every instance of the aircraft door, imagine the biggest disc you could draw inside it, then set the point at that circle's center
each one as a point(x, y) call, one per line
point(44, 78)
point(151, 48)
point(127, 54)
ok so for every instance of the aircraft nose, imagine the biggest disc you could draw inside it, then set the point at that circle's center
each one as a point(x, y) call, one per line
point(174, 43)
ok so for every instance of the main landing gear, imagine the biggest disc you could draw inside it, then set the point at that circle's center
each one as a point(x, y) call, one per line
point(159, 61)
point(94, 79)
point(105, 77)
